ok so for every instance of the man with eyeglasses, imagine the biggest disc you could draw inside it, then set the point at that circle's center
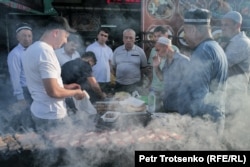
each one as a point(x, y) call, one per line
point(102, 70)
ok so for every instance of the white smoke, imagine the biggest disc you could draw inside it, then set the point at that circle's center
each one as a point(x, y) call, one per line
point(78, 144)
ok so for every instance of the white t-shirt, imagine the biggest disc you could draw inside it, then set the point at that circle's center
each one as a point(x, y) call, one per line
point(40, 62)
point(63, 57)
point(104, 54)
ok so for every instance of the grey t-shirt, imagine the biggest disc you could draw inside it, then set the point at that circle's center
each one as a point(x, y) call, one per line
point(128, 64)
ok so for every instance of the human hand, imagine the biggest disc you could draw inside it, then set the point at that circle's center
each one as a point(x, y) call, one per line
point(81, 94)
point(156, 60)
point(72, 86)
point(103, 95)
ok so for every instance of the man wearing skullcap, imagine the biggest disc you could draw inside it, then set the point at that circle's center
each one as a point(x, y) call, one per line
point(238, 55)
point(205, 79)
point(24, 37)
point(171, 73)
point(154, 82)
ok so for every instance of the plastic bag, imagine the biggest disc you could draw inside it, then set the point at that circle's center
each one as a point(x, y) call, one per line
point(85, 105)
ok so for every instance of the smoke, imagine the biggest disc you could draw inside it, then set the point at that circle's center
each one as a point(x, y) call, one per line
point(80, 143)
point(122, 20)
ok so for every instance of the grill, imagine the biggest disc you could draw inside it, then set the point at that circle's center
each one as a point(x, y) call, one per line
point(110, 144)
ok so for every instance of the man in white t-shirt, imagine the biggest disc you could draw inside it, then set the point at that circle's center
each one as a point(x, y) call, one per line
point(69, 50)
point(43, 74)
point(103, 68)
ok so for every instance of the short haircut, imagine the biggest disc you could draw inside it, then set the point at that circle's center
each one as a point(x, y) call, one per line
point(58, 22)
point(129, 30)
point(89, 54)
point(104, 29)
point(160, 29)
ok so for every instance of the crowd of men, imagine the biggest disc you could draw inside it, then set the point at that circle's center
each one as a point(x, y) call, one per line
point(206, 84)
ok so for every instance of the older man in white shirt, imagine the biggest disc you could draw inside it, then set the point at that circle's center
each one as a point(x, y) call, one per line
point(238, 55)
point(69, 50)
point(18, 80)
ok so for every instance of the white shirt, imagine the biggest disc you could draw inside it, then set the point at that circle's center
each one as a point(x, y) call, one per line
point(104, 54)
point(238, 56)
point(40, 62)
point(16, 71)
point(63, 57)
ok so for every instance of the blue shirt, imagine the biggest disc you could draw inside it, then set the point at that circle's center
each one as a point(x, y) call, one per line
point(157, 84)
point(238, 57)
point(16, 71)
point(203, 88)
point(172, 78)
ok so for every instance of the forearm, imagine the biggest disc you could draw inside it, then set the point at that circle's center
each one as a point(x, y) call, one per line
point(96, 87)
point(97, 90)
point(54, 90)
point(62, 93)
point(112, 71)
point(15, 75)
point(17, 89)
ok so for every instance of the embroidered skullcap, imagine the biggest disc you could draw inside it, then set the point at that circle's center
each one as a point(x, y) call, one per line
point(197, 16)
point(22, 26)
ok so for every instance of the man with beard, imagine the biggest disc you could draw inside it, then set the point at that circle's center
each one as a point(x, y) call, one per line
point(171, 74)
point(238, 55)
point(204, 83)
point(155, 83)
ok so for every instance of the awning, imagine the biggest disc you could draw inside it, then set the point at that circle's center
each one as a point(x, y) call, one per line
point(46, 7)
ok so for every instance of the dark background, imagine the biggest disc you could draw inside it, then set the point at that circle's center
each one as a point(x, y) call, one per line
point(88, 15)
